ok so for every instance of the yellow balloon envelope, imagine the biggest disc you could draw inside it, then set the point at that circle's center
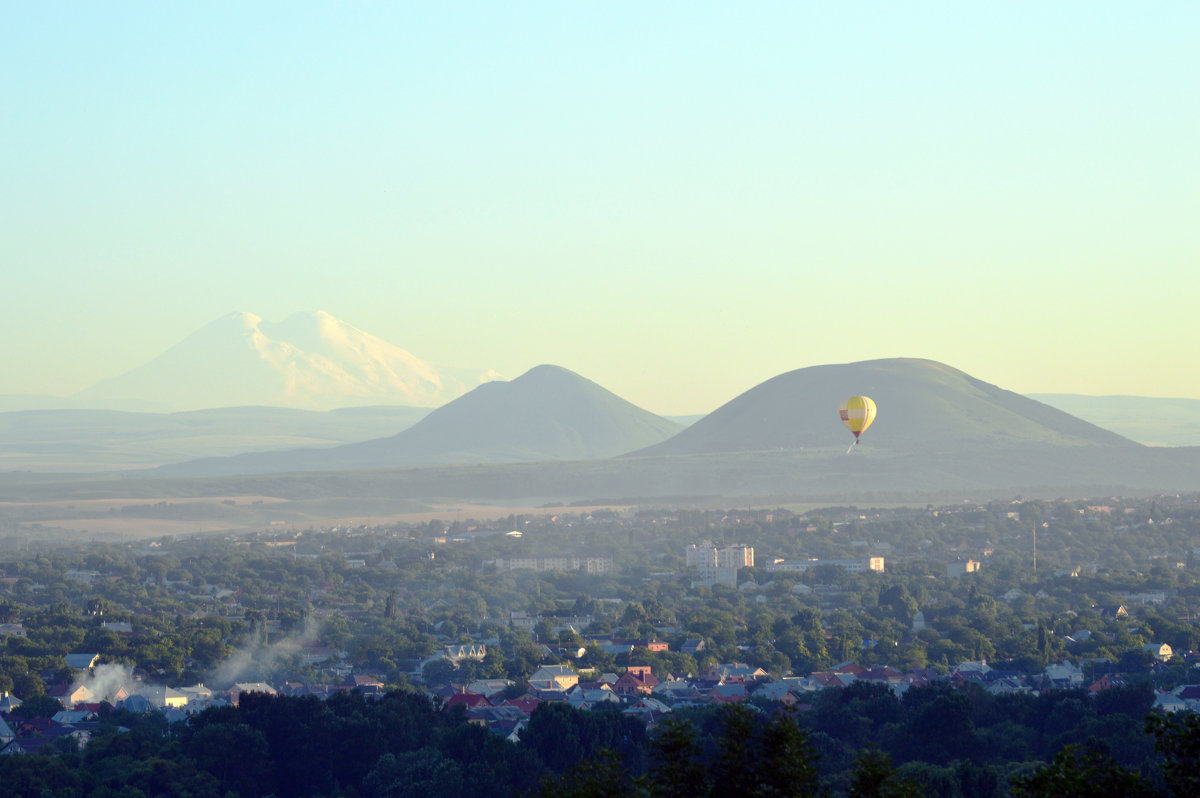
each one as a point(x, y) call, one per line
point(857, 413)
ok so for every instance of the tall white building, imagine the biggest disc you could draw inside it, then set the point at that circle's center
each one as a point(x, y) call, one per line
point(710, 575)
point(706, 554)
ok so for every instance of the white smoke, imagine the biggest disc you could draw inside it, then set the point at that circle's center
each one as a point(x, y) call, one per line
point(253, 663)
point(106, 683)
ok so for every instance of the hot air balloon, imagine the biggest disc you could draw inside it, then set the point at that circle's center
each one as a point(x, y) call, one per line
point(857, 413)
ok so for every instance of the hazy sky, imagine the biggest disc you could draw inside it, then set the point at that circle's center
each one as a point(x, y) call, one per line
point(676, 200)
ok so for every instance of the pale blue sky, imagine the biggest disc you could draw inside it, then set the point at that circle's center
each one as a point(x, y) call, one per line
point(677, 200)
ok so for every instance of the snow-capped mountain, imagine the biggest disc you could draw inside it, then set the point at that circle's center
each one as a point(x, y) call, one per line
point(308, 360)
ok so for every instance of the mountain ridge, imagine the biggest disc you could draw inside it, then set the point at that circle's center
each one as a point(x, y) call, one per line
point(940, 432)
point(309, 361)
point(548, 413)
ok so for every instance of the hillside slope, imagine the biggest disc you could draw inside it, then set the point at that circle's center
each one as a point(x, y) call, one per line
point(924, 406)
point(548, 413)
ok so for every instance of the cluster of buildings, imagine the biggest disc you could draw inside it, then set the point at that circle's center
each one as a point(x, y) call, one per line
point(81, 702)
point(636, 690)
point(719, 564)
point(504, 708)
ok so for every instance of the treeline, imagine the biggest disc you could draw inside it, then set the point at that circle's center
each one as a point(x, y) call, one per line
point(862, 740)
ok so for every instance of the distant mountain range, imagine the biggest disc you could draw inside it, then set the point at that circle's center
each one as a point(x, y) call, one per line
point(938, 429)
point(548, 413)
point(309, 361)
point(1149, 420)
point(552, 434)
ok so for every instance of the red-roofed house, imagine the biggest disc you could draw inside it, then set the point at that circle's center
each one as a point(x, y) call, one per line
point(467, 700)
point(526, 703)
point(636, 680)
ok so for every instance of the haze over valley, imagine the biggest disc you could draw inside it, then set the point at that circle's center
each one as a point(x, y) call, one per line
point(548, 435)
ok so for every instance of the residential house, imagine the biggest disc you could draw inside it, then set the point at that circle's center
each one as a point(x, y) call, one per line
point(1169, 702)
point(489, 687)
point(737, 672)
point(1107, 682)
point(733, 693)
point(69, 695)
point(636, 680)
point(554, 677)
point(779, 690)
point(365, 682)
point(235, 692)
point(526, 703)
point(590, 694)
point(648, 643)
point(467, 701)
point(1063, 674)
point(162, 697)
point(198, 695)
point(460, 651)
point(82, 662)
point(961, 567)
point(1189, 693)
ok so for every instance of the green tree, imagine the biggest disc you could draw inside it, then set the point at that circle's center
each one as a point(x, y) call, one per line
point(874, 776)
point(1178, 739)
point(676, 766)
point(786, 763)
point(1080, 773)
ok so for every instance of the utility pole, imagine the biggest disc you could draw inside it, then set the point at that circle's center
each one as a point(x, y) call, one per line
point(1035, 548)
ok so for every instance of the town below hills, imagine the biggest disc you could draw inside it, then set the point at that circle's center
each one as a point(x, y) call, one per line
point(927, 596)
point(968, 649)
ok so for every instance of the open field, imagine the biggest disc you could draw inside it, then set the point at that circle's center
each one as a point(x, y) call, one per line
point(33, 505)
point(125, 519)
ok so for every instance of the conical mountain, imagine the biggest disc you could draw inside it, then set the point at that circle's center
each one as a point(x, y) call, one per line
point(924, 406)
point(548, 413)
point(309, 361)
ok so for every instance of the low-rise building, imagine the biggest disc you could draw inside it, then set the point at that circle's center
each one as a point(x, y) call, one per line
point(958, 568)
point(590, 564)
point(853, 566)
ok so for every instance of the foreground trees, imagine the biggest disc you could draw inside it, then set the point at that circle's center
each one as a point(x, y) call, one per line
point(404, 744)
